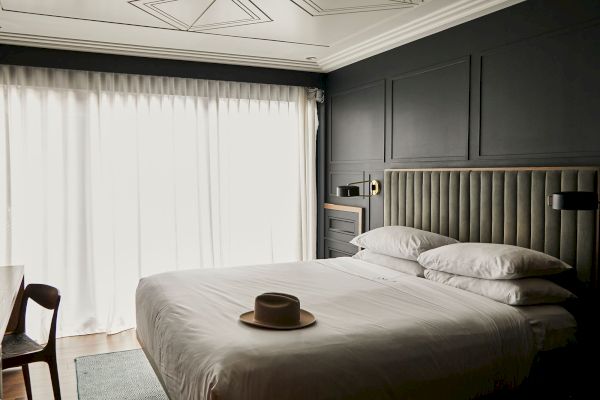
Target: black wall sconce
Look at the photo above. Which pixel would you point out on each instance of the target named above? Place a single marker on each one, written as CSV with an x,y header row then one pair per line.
x,y
573,201
350,190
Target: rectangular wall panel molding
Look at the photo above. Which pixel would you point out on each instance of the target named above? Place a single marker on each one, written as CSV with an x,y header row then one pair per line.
x,y
357,124
538,97
430,113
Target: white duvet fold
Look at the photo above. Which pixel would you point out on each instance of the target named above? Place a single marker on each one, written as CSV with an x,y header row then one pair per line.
x,y
380,334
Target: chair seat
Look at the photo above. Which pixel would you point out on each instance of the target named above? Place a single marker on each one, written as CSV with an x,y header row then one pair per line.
x,y
17,345
19,350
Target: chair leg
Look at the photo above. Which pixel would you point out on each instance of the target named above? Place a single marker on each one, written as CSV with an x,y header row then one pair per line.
x,y
54,377
27,380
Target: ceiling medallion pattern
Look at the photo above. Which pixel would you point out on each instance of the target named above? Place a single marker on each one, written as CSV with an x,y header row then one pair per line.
x,y
203,15
318,8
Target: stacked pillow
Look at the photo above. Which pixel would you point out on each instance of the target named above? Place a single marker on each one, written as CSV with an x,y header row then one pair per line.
x,y
398,247
509,274
397,264
504,273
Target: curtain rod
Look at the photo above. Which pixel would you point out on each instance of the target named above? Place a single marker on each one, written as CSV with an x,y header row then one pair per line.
x,y
318,94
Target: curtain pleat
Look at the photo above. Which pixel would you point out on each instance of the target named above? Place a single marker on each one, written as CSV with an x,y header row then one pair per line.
x,y
107,178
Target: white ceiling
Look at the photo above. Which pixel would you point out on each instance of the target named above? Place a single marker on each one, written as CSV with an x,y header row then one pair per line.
x,y
310,35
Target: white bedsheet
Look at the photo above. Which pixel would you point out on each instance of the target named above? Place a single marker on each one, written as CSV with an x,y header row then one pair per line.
x,y
552,325
380,334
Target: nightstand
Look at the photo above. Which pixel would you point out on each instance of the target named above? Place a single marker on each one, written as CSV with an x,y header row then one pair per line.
x,y
342,224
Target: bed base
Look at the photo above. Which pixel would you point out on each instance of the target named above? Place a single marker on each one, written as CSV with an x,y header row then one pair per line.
x,y
547,368
154,367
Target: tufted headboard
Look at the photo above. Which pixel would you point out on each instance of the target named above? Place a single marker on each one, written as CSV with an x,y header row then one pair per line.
x,y
499,206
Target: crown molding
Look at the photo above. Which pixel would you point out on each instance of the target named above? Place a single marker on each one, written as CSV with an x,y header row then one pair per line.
x,y
429,24
155,52
445,18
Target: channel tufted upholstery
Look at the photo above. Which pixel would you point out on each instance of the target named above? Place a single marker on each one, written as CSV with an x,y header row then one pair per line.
x,y
498,206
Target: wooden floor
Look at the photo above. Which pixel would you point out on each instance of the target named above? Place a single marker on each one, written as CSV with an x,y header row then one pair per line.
x,y
68,349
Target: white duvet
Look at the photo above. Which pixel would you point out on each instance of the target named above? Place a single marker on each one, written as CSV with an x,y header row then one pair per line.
x,y
380,334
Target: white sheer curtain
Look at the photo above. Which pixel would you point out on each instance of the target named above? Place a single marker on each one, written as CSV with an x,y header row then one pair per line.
x,y
106,178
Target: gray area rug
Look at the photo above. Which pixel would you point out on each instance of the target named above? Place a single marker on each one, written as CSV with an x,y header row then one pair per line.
x,y
116,376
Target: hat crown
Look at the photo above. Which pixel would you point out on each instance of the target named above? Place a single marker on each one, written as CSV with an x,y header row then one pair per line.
x,y
277,309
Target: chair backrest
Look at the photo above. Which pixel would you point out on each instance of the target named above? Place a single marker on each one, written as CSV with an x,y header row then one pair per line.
x,y
47,297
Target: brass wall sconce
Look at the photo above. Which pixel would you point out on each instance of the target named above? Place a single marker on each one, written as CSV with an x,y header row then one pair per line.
x,y
350,190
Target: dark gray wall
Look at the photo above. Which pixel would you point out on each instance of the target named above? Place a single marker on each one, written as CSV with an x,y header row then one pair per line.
x,y
519,87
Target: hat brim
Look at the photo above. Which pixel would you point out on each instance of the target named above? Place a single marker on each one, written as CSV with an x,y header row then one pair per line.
x,y
306,319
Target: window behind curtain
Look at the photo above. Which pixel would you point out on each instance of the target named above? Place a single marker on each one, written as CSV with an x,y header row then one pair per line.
x,y
110,177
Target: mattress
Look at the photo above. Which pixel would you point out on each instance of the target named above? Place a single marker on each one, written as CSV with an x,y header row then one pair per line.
x,y
379,334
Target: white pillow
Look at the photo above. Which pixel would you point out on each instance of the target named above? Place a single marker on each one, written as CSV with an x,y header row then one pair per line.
x,y
491,261
400,241
516,292
397,264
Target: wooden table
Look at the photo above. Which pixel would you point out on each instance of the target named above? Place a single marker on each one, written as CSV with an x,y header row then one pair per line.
x,y
11,282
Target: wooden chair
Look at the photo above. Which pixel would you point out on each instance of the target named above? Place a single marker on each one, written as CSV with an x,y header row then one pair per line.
x,y
19,350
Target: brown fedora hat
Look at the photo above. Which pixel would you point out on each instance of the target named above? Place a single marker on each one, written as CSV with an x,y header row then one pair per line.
x,y
278,311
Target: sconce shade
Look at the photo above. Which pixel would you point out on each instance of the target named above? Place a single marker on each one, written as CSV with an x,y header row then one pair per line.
x,y
347,191
575,201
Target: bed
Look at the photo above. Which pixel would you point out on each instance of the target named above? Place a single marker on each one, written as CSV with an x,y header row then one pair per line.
x,y
379,333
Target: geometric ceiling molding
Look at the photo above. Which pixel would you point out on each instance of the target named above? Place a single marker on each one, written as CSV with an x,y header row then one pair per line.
x,y
203,15
318,8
